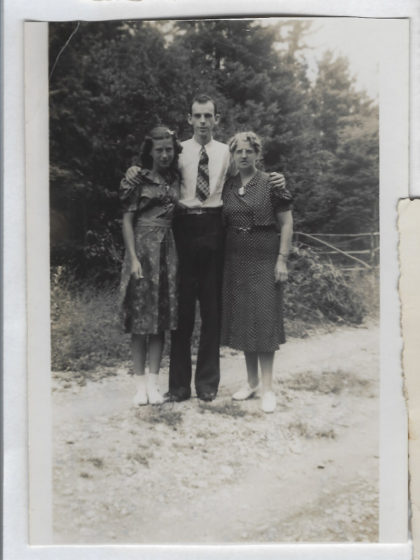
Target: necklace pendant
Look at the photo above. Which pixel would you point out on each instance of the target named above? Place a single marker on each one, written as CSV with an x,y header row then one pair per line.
x,y
241,191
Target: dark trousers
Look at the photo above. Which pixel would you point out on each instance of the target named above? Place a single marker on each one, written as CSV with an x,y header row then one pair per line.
x,y
199,241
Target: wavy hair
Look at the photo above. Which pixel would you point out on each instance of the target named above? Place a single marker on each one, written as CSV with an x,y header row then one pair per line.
x,y
255,143
251,137
160,132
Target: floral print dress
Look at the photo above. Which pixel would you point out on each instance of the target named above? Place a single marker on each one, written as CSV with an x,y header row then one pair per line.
x,y
149,305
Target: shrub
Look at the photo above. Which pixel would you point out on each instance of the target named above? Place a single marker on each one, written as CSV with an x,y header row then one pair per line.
x,y
85,331
318,291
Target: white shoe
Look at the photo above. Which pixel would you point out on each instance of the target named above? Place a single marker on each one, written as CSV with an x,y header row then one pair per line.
x,y
140,398
153,392
268,402
245,393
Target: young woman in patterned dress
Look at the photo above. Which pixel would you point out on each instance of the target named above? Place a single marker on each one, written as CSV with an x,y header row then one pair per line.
x,y
255,266
148,281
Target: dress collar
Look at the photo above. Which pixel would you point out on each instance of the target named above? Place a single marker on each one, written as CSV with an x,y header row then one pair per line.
x,y
237,178
150,177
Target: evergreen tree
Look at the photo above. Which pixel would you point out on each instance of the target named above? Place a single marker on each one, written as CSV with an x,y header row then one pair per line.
x,y
112,81
346,192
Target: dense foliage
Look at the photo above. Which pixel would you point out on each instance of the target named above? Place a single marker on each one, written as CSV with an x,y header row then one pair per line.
x,y
114,80
86,332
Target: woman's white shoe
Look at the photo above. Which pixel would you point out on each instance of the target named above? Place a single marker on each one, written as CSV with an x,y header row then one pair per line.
x,y
245,393
268,402
153,392
140,398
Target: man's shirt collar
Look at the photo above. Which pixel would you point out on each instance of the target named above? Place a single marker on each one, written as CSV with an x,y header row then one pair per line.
x,y
199,146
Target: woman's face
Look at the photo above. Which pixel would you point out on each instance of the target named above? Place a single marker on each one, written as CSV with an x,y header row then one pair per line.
x,y
244,155
162,154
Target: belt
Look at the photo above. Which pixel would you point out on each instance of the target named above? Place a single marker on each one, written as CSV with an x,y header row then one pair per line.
x,y
154,222
251,229
197,211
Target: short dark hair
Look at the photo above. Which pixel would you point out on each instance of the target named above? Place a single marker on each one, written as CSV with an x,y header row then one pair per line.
x,y
160,132
203,98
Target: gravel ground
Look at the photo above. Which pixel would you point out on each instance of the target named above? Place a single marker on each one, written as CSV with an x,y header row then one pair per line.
x,y
224,472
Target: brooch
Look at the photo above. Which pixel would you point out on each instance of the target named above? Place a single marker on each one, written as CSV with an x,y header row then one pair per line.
x,y
241,191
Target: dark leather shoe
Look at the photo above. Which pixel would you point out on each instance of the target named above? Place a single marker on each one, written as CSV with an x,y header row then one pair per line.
x,y
173,397
207,397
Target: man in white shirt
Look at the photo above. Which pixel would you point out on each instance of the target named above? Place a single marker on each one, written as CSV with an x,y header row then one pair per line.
x,y
198,231
199,236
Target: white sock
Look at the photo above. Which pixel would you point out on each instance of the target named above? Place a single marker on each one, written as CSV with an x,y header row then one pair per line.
x,y
140,398
153,392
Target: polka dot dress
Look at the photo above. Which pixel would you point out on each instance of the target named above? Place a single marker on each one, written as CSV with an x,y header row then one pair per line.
x,y
252,311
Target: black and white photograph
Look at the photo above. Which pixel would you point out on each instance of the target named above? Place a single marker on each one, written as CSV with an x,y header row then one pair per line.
x,y
214,260
206,332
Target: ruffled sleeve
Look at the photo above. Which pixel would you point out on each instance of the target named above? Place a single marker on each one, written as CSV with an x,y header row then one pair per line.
x,y
281,199
129,192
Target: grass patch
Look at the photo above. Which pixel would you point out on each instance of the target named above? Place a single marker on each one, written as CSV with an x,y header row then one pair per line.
x,y
328,382
229,409
202,434
303,430
69,378
85,331
96,462
85,475
140,459
159,415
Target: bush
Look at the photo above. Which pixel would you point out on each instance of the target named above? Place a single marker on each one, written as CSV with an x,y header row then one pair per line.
x,y
319,292
85,331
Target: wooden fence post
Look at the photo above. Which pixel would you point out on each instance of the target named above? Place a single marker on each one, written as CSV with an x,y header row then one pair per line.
x,y
372,250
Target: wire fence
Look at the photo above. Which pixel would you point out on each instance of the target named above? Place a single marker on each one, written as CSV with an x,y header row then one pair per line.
x,y
349,251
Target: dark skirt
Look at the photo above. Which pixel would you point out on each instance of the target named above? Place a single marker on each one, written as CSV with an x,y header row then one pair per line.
x,y
252,311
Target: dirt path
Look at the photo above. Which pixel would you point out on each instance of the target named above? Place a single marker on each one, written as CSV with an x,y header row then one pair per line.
x,y
225,472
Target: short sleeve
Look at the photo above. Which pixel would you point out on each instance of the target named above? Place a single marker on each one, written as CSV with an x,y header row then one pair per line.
x,y
129,193
281,199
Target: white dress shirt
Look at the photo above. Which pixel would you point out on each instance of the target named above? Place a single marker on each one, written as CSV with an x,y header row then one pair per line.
x,y
188,164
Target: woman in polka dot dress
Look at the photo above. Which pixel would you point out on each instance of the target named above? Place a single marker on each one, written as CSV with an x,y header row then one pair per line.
x,y
255,266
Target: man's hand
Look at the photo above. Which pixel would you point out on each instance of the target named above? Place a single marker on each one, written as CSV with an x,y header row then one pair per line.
x,y
276,180
131,172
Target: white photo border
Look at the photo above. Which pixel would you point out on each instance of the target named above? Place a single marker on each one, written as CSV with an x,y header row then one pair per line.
x,y
22,261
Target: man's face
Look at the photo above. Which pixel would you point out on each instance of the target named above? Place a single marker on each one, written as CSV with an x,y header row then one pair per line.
x,y
203,120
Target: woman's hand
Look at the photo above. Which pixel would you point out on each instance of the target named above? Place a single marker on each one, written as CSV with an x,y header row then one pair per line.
x,y
277,180
136,271
280,271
